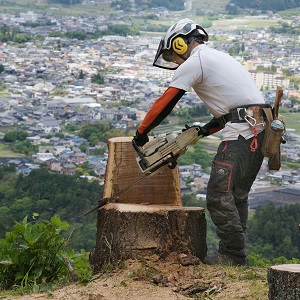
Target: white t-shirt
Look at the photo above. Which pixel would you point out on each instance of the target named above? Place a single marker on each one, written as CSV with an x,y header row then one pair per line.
x,y
221,83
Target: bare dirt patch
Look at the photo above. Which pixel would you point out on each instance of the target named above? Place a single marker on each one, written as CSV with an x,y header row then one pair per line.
x,y
155,279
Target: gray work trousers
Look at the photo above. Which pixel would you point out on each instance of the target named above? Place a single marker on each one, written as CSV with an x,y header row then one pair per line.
x,y
234,170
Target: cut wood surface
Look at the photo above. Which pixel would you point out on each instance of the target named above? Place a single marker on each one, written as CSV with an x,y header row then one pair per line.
x,y
134,231
284,282
122,170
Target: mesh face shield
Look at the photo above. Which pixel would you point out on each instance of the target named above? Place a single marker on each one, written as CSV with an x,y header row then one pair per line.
x,y
163,58
185,28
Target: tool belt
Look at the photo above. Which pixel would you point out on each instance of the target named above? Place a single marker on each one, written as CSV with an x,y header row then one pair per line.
x,y
259,114
240,114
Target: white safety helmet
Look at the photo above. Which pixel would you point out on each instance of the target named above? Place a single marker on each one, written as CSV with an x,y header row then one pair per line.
x,y
177,39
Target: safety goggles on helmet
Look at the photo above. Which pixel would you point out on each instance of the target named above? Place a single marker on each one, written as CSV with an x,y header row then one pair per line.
x,y
163,58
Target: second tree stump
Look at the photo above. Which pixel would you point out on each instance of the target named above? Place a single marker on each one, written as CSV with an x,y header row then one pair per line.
x,y
284,282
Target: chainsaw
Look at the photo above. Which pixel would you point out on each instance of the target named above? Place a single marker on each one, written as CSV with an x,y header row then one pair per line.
x,y
164,150
159,152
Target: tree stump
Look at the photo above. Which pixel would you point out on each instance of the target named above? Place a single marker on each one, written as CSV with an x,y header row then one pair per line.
x,y
284,282
134,231
148,218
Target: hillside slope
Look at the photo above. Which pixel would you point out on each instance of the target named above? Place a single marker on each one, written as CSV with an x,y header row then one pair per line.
x,y
153,279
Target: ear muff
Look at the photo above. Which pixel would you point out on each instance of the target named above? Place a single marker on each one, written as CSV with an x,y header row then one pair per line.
x,y
179,45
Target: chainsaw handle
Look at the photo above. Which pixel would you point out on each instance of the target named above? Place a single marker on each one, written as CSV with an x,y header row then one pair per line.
x,y
137,149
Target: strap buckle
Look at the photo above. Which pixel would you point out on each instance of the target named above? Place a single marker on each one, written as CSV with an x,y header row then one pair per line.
x,y
244,116
241,113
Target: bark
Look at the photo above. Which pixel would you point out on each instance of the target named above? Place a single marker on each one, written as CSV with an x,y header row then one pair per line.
x,y
284,282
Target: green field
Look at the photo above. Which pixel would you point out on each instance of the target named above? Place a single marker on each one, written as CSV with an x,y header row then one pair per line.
x,y
214,5
4,94
13,6
244,23
5,152
292,121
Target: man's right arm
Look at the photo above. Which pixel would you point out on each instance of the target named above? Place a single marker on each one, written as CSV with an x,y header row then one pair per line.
x,y
160,109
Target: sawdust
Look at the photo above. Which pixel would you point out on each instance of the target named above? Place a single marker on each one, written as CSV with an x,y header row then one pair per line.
x,y
154,279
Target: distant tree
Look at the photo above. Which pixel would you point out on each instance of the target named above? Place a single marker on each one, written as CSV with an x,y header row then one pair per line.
x,y
99,79
124,5
55,34
100,131
81,75
193,112
5,33
12,136
79,35
59,92
21,38
95,132
122,30
196,155
152,17
25,147
274,232
232,9
71,127
64,195
1,68
83,147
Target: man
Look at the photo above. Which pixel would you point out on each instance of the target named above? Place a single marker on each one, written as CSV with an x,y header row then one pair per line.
x,y
230,94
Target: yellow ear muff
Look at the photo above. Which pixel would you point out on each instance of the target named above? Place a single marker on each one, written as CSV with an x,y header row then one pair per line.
x,y
179,45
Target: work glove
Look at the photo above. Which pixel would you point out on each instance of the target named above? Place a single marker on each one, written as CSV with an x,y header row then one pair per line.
x,y
140,139
201,130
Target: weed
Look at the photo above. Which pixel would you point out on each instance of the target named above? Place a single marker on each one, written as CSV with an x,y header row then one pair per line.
x,y
32,256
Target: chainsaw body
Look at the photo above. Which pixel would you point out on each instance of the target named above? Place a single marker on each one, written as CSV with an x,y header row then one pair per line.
x,y
161,151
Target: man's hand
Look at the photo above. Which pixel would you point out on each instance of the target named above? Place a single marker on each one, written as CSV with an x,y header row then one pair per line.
x,y
140,139
201,130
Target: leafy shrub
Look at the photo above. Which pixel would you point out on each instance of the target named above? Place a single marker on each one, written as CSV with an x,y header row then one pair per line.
x,y
34,253
256,260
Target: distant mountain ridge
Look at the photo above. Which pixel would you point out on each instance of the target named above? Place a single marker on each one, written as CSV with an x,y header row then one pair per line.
x,y
274,5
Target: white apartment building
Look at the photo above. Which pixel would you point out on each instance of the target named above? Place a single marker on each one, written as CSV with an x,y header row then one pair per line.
x,y
268,79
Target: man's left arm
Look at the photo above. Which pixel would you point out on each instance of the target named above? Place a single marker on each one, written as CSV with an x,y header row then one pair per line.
x,y
211,127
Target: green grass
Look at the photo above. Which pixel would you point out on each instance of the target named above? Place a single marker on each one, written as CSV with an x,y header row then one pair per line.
x,y
4,94
292,121
215,5
5,152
